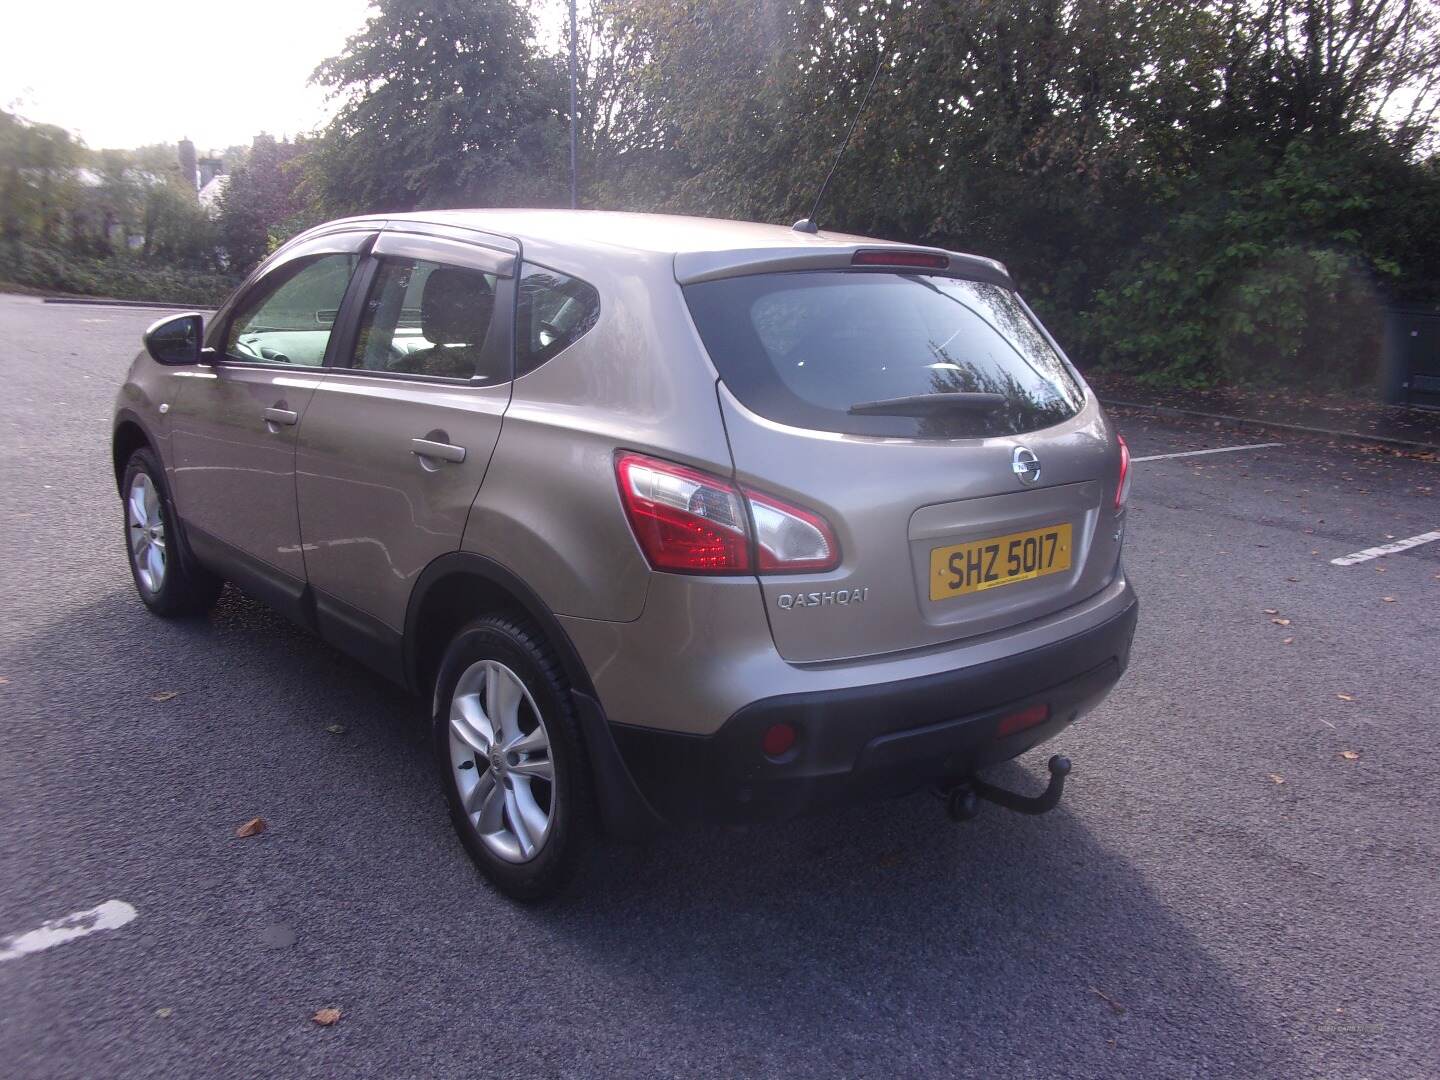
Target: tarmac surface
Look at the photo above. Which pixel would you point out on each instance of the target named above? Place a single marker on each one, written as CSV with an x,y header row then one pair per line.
x,y
1241,880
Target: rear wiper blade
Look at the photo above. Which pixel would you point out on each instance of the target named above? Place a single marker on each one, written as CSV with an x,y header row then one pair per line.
x,y
929,404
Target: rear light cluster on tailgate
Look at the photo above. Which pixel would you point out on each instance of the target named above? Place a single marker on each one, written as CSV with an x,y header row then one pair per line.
x,y
692,522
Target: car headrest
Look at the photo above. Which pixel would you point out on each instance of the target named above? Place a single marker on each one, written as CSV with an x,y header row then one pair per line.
x,y
456,307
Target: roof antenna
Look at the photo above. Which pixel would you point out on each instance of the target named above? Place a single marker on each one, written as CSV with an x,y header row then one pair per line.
x,y
807,224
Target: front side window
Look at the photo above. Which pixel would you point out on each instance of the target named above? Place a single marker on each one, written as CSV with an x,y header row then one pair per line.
x,y
553,311
288,317
426,318
860,352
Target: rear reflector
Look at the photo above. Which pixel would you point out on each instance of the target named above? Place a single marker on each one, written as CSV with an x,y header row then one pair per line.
x,y
1025,718
691,522
884,257
778,739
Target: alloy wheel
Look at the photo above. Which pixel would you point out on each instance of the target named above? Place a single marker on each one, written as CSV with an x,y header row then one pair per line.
x,y
147,532
500,754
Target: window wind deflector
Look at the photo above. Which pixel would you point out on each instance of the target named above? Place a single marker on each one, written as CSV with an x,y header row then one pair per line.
x,y
929,404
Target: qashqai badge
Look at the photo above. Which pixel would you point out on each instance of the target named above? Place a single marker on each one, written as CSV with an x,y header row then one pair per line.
x,y
1025,465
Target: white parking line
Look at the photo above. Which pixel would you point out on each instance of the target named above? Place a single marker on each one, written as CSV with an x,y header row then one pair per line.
x,y
111,915
1386,549
1217,450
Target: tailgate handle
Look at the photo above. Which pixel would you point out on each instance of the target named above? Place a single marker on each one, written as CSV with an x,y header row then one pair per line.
x,y
425,448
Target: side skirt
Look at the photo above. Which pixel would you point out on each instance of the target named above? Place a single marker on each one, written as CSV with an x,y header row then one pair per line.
x,y
349,629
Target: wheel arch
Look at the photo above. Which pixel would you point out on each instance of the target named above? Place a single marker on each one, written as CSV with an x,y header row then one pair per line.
x,y
457,587
129,435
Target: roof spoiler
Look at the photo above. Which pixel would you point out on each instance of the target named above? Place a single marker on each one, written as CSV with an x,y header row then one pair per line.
x,y
696,266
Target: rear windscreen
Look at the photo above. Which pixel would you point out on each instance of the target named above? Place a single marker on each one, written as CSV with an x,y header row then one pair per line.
x,y
802,348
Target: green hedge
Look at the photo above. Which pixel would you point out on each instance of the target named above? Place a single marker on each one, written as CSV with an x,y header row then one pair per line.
x,y
121,277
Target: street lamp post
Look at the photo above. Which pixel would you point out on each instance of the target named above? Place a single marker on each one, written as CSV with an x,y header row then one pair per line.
x,y
574,167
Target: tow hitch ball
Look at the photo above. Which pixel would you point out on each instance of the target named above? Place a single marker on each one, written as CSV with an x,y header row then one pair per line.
x,y
962,799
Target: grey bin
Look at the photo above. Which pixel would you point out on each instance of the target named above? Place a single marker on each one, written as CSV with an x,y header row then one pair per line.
x,y
1411,374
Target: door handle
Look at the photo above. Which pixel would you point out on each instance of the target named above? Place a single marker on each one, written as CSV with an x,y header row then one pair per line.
x,y
425,448
281,416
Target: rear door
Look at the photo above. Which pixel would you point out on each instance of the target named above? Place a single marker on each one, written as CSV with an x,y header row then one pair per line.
x,y
964,467
400,430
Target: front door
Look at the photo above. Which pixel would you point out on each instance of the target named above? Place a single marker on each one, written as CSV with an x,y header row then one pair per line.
x,y
399,432
235,420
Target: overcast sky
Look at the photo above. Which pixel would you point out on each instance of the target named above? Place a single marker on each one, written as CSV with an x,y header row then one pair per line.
x,y
124,73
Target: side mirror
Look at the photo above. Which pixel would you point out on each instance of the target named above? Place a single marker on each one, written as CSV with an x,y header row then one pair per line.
x,y
176,339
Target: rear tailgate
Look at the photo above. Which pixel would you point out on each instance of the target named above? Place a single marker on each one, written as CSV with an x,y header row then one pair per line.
x,y
968,475
893,503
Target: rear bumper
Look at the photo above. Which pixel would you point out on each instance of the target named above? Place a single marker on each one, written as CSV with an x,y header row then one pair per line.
x,y
874,740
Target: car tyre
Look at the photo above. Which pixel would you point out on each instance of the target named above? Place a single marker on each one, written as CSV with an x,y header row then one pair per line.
x,y
511,758
169,584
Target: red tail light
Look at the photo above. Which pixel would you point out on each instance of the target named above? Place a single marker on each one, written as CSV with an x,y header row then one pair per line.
x,y
1122,489
691,522
888,257
685,520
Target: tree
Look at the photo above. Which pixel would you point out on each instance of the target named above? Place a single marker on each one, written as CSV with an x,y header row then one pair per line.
x,y
443,102
627,159
1215,188
37,179
1316,68
262,204
1029,129
175,229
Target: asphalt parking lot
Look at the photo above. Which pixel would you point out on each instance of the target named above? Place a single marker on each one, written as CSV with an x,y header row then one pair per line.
x,y
1243,879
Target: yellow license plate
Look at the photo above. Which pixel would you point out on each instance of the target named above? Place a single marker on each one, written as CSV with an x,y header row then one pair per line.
x,y
1001,560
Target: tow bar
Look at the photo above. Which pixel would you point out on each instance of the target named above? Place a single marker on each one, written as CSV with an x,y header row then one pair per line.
x,y
962,799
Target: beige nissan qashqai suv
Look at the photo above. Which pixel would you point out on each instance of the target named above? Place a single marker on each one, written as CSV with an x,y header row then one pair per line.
x,y
671,519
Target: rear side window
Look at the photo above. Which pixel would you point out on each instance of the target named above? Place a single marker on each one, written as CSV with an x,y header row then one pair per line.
x,y
553,311
425,318
804,348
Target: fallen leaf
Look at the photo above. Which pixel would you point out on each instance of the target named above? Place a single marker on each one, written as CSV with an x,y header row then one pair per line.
x,y
1271,611
164,1012
254,827
1287,641
1277,778
1345,697
164,695
4,681
1349,755
1388,599
1108,1000
1292,579
326,1017
890,860
336,729
1281,622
